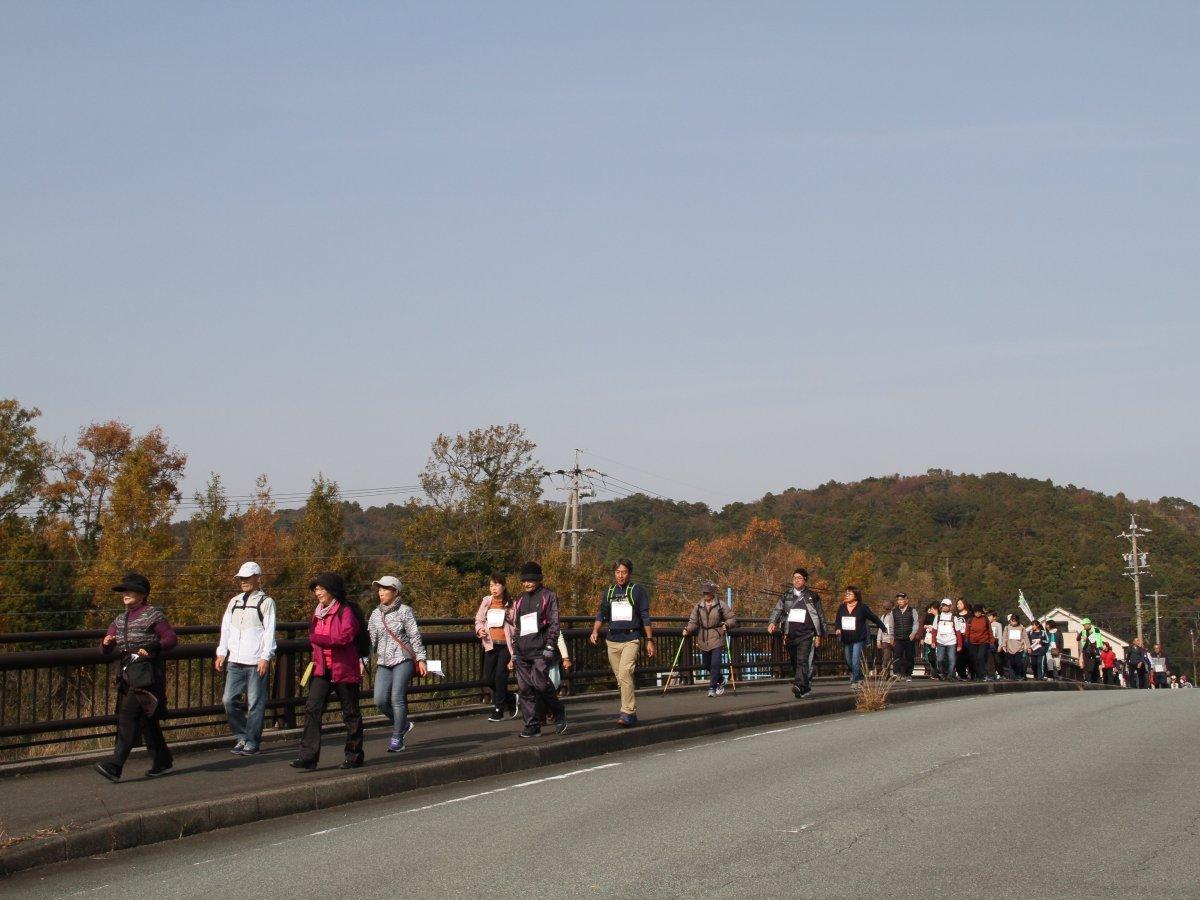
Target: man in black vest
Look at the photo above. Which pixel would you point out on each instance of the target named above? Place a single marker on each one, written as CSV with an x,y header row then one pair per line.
x,y
904,626
799,613
533,634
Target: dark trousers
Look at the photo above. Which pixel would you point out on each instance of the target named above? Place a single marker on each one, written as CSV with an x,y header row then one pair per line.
x,y
1110,676
979,658
134,726
906,652
1037,662
535,688
1016,666
319,689
711,660
495,675
962,663
1091,669
993,662
1137,679
800,649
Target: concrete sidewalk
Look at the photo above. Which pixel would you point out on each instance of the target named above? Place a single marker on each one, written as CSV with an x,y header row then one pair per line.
x,y
214,789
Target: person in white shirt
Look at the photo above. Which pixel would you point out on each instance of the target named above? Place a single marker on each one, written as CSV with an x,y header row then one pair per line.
x,y
245,652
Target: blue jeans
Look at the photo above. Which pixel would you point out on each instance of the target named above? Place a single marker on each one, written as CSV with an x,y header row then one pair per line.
x,y
854,653
246,724
947,656
391,694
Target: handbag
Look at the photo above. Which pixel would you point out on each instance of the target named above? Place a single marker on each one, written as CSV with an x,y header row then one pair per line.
x,y
139,671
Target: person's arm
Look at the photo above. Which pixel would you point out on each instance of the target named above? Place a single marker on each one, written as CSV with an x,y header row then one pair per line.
x,y
693,622
481,617
108,644
837,619
266,650
373,629
553,628
344,627
642,598
730,619
602,616
223,645
413,632
509,628
166,637
776,613
867,614
563,651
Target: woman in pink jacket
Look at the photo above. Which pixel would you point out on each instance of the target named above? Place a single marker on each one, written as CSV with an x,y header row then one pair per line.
x,y
335,668
493,614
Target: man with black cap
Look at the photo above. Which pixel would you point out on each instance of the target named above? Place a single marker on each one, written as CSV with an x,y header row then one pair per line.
x,y
902,622
800,611
532,633
137,638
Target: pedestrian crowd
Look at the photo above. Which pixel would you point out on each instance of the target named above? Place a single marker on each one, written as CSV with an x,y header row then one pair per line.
x,y
522,636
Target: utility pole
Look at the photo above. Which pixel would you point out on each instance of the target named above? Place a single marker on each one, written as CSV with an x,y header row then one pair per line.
x,y
1157,626
1135,565
576,490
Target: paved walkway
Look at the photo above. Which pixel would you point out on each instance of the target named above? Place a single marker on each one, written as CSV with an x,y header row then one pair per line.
x,y
78,795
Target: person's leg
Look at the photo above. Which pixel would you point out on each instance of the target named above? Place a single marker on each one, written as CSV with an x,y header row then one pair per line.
x,y
235,683
614,663
526,693
256,706
382,692
910,657
314,709
502,659
981,655
848,657
401,676
885,662
490,658
540,675
129,733
712,662
629,655
803,647
352,718
156,744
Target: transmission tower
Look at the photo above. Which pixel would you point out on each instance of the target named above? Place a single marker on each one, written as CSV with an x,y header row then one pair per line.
x,y
1136,562
577,489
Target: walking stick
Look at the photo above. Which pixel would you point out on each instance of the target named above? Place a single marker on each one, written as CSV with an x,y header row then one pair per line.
x,y
732,674
674,664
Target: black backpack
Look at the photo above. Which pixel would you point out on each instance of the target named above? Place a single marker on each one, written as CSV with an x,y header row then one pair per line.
x,y
362,640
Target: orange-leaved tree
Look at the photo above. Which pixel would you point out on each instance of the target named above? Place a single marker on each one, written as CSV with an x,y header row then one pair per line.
x,y
757,563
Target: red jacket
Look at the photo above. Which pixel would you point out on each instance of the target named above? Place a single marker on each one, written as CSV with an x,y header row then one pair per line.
x,y
333,647
979,630
1108,658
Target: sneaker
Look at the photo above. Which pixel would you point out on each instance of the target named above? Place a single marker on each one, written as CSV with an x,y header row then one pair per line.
x,y
247,751
530,732
238,748
395,745
804,693
561,725
512,713
159,770
627,721
409,727
712,692
303,764
720,689
351,764
909,678
496,716
109,771
796,692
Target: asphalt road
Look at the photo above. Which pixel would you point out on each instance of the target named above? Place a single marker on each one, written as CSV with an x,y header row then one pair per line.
x,y
1057,794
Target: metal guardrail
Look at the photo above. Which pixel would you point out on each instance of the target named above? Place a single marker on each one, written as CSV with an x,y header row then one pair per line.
x,y
65,695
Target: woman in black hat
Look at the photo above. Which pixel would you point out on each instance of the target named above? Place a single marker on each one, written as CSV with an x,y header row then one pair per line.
x,y
137,638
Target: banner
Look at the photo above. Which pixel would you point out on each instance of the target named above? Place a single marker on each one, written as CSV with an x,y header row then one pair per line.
x,y
1024,605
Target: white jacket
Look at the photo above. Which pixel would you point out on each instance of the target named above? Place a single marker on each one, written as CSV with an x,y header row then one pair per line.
x,y
247,636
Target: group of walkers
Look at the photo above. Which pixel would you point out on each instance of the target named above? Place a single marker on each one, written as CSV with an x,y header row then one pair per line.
x,y
523,636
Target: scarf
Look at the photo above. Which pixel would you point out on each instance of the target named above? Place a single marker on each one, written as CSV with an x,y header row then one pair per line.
x,y
322,611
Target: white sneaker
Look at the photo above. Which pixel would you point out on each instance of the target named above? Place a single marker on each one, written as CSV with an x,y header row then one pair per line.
x,y
712,692
720,689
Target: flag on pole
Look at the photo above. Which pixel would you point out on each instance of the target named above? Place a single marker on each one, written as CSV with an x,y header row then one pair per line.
x,y
1024,604
729,597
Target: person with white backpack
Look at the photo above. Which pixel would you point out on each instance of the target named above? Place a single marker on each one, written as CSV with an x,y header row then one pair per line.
x,y
710,621
245,652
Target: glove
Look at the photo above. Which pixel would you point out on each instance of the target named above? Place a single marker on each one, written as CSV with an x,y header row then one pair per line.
x,y
547,654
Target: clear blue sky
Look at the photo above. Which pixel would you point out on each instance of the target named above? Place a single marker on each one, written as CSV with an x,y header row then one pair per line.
x,y
745,246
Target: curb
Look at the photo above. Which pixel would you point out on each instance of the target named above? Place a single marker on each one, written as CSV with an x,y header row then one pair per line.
x,y
153,826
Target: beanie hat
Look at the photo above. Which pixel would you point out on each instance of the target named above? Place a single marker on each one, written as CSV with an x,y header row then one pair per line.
x,y
531,571
332,582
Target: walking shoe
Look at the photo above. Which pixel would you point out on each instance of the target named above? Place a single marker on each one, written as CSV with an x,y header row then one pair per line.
x,y
720,689
627,720
496,716
109,771
351,764
712,692
303,764
238,747
529,732
804,693
247,751
797,692
512,713
409,727
909,678
395,745
561,725
160,770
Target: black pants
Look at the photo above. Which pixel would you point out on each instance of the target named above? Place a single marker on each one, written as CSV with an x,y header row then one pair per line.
x,y
319,689
800,649
536,692
979,657
1110,676
1091,669
134,726
711,660
1016,666
906,651
495,675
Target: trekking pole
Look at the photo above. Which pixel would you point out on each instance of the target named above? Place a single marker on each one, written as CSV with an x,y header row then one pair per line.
x,y
674,664
732,675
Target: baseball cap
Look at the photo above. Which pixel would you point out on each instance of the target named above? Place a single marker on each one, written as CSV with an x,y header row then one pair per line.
x,y
388,581
708,588
248,570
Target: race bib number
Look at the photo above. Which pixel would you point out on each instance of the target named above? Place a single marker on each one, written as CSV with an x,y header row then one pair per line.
x,y
529,624
622,611
849,623
797,614
1159,667
495,618
1014,634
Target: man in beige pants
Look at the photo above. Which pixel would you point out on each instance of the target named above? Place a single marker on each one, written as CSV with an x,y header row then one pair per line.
x,y
625,609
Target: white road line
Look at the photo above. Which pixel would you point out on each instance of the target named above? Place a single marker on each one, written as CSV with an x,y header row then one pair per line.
x,y
701,746
453,800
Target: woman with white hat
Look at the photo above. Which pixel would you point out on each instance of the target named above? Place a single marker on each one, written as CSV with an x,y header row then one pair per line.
x,y
396,641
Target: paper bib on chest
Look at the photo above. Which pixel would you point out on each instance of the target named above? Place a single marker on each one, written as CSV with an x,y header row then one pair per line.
x,y
797,614
849,623
495,618
529,624
622,611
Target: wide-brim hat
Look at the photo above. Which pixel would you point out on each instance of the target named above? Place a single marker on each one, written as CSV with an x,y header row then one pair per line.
x,y
138,584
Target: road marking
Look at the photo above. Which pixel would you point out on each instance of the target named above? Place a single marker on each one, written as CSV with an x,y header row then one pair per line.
x,y
701,746
453,800
804,827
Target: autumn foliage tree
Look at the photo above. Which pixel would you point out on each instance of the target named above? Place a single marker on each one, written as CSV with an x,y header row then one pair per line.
x,y
207,575
756,562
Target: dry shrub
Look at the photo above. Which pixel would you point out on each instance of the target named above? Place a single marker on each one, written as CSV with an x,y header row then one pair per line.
x,y
873,691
